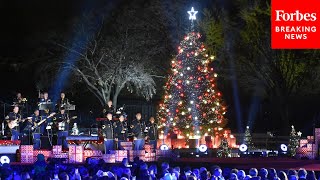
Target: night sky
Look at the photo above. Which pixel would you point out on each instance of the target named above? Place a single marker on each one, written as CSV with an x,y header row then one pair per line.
x,y
26,26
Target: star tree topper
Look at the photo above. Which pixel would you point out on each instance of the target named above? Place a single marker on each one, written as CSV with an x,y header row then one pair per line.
x,y
192,14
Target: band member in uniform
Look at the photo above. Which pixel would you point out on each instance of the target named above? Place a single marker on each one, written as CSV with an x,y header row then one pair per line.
x,y
36,118
20,102
152,132
109,109
62,120
45,99
121,131
13,122
107,127
138,129
63,101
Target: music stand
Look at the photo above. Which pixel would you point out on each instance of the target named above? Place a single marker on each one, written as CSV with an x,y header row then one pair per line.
x,y
45,106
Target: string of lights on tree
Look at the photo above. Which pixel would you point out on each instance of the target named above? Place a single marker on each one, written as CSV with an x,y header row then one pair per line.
x,y
192,104
293,141
224,150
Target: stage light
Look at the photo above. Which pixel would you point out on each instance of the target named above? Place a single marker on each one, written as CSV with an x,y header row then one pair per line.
x,y
283,147
164,147
203,148
243,147
4,159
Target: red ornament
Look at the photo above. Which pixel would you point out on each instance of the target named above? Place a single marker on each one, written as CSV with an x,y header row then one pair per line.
x,y
169,113
190,117
196,86
199,78
204,114
200,127
212,85
191,77
197,105
211,69
199,68
200,97
188,55
181,94
219,94
177,110
179,81
179,62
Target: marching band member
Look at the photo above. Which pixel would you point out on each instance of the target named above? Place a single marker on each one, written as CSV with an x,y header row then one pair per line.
x,y
121,131
152,132
13,123
138,129
62,120
107,127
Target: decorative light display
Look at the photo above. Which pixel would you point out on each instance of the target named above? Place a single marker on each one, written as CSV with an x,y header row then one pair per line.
x,y
192,15
192,101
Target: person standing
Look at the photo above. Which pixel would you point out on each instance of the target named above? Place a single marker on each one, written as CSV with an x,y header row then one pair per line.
x,y
13,123
138,129
62,120
63,101
20,102
36,118
107,128
152,132
121,131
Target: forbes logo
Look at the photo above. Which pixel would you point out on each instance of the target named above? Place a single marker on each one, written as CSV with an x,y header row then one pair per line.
x,y
281,15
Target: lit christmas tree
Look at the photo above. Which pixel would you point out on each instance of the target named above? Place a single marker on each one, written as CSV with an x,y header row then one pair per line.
x,y
293,141
248,139
224,150
192,105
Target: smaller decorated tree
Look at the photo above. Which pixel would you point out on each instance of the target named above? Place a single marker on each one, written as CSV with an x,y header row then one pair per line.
x,y
224,149
293,141
248,139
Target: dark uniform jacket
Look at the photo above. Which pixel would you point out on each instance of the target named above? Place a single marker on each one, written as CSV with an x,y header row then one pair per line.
x,y
152,131
108,131
138,128
37,119
121,130
62,118
62,103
